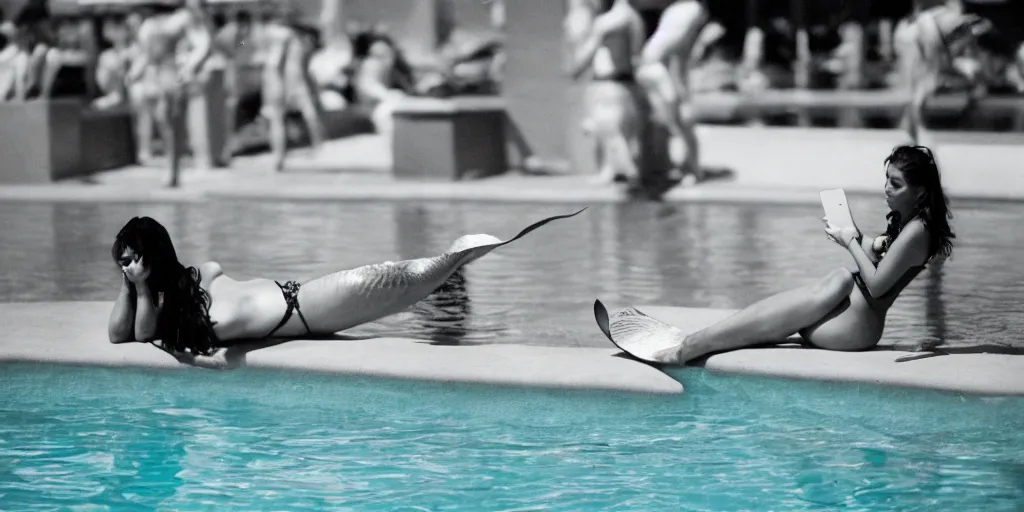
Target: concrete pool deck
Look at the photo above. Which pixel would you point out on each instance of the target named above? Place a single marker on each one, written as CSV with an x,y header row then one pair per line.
x,y
770,165
75,333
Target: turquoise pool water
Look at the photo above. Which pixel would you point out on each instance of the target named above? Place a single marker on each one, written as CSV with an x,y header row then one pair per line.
x,y
103,439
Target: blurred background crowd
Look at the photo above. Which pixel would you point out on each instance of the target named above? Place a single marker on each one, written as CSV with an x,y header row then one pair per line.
x,y
361,66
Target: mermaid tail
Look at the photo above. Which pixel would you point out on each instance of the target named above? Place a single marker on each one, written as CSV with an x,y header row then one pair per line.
x,y
345,299
637,334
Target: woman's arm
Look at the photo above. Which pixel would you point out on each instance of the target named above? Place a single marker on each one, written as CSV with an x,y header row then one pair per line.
x,y
583,55
121,327
907,250
147,312
367,80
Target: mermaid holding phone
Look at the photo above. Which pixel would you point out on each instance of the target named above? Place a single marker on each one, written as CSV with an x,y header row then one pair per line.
x,y
843,311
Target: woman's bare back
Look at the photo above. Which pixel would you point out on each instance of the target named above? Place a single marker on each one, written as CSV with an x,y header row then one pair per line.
x,y
241,309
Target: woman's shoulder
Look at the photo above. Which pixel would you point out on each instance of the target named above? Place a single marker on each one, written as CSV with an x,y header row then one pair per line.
x,y
209,271
916,228
210,268
918,235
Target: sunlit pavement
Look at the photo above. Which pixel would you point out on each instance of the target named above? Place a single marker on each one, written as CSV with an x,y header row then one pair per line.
x,y
770,165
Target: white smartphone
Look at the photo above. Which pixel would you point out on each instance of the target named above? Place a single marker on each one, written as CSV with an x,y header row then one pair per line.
x,y
837,209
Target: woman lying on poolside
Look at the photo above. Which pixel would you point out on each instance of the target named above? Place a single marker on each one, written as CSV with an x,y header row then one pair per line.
x,y
191,313
843,311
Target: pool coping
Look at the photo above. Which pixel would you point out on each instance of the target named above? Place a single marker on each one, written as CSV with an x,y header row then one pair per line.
x,y
74,332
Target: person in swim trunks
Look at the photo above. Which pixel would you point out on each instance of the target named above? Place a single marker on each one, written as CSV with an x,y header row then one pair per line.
x,y
232,46
113,63
174,42
607,45
675,39
194,313
286,82
845,310
937,39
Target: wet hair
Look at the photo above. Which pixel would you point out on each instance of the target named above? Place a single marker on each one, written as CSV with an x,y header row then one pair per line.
x,y
184,323
917,163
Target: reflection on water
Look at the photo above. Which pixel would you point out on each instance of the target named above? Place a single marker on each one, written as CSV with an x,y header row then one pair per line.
x,y
539,290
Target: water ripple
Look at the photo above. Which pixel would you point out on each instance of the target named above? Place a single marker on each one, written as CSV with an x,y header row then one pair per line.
x,y
239,442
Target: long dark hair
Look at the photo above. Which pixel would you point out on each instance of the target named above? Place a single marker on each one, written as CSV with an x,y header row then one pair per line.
x,y
184,322
917,163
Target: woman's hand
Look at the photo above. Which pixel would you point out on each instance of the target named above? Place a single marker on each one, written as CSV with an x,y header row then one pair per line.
x,y
843,236
137,272
126,284
220,359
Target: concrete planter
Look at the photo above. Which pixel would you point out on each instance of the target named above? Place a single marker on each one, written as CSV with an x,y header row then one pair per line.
x,y
108,140
449,139
40,141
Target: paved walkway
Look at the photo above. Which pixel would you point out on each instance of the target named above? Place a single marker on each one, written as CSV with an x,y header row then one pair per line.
x,y
767,164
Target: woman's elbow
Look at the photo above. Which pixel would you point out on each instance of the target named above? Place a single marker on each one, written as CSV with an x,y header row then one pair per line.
x,y
876,292
119,336
146,337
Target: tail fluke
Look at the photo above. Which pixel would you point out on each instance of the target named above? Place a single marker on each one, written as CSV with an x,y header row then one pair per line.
x,y
472,247
637,334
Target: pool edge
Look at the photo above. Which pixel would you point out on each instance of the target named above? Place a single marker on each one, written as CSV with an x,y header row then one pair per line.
x,y
75,333
49,332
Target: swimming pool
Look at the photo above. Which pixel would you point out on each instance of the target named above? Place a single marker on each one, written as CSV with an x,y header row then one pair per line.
x,y
696,255
104,439
71,437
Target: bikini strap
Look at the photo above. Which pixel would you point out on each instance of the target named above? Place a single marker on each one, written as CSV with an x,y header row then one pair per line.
x,y
289,306
294,286
308,330
290,291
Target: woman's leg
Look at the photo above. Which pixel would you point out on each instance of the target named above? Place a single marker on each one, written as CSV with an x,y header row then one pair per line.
x,y
167,121
675,37
349,298
311,114
143,108
772,319
230,130
275,111
278,134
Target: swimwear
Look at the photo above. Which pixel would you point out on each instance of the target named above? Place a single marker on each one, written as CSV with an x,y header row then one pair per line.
x,y
624,77
290,289
912,272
